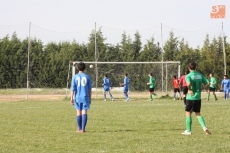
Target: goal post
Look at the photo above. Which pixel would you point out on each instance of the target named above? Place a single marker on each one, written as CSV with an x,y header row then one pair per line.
x,y
138,72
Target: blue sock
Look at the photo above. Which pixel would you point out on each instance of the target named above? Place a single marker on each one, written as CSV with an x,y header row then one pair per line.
x,y
125,95
79,122
111,96
84,121
104,96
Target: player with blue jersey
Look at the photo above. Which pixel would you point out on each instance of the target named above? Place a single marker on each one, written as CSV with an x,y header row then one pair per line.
x,y
125,86
81,90
107,84
225,85
194,81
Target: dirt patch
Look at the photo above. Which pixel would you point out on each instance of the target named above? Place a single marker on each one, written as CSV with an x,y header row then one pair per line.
x,y
4,98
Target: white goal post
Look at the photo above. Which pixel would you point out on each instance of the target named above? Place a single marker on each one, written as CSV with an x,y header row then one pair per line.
x,y
164,69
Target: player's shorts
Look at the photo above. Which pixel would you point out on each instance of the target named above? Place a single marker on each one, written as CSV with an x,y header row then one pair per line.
x,y
185,90
212,89
193,106
125,90
81,106
151,89
106,89
176,90
226,90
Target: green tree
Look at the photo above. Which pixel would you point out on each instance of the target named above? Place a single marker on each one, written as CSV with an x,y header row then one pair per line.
x,y
171,48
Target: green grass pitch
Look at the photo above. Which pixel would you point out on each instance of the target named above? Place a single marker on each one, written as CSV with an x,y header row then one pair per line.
x,y
138,126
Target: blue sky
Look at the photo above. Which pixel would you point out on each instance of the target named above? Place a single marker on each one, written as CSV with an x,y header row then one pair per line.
x,y
65,20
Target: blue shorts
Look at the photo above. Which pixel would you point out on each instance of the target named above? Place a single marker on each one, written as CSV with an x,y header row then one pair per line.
x,y
81,106
106,89
125,90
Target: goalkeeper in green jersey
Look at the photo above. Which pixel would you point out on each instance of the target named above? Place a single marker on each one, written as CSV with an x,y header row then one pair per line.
x,y
212,87
151,84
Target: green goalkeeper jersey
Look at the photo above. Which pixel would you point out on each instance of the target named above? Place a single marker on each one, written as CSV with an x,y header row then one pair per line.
x,y
213,82
152,82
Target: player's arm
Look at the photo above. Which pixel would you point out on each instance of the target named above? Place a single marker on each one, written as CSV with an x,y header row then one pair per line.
x,y
206,82
188,82
206,85
90,90
72,91
125,82
190,89
110,83
90,95
103,82
71,97
180,80
150,82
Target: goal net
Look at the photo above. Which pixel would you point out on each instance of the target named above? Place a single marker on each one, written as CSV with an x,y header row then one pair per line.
x,y
163,73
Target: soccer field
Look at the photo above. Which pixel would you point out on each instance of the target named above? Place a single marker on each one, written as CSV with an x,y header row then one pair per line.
x,y
138,126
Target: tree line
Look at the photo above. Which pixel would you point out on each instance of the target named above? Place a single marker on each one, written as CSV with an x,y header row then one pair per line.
x,y
49,63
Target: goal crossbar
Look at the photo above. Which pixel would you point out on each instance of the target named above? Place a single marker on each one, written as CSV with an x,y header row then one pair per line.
x,y
164,62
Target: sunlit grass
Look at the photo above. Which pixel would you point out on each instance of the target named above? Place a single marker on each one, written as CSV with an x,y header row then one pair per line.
x,y
138,126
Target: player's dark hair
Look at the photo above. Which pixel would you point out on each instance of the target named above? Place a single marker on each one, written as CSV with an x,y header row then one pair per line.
x,y
81,66
151,74
126,74
192,66
174,76
226,76
106,75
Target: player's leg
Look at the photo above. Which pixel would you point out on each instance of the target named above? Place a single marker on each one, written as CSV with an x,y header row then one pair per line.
x,y
78,107
84,116
197,107
228,92
125,91
110,94
208,96
126,94
188,120
214,94
154,93
79,120
179,93
84,120
174,96
104,94
150,94
225,94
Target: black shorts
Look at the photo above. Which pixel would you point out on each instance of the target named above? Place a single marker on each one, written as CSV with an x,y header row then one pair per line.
x,y
151,89
176,90
193,106
212,89
185,90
